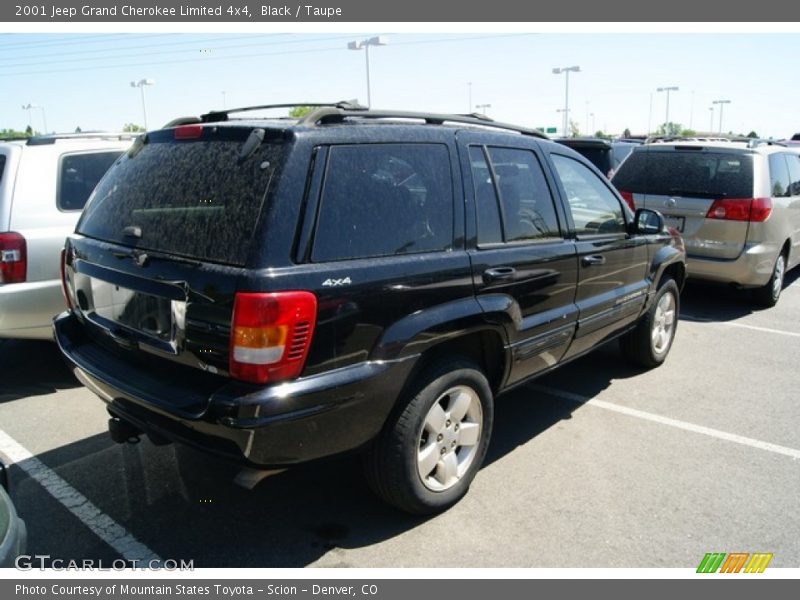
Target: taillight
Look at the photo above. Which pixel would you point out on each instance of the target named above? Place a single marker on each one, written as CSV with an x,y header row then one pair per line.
x,y
64,285
271,334
628,197
741,209
13,258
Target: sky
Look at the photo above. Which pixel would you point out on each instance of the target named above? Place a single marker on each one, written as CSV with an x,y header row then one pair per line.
x,y
84,80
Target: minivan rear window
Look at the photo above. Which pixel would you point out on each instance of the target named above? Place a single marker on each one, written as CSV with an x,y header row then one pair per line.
x,y
687,173
199,198
2,165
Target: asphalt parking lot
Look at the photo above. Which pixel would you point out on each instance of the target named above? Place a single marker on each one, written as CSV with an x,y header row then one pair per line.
x,y
594,465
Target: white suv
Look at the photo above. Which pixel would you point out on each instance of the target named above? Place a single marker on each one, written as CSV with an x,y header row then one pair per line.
x,y
44,184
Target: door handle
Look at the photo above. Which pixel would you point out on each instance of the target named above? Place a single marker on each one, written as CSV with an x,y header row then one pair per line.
x,y
498,274
594,259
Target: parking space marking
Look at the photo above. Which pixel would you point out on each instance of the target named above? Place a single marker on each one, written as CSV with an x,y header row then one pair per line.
x,y
108,530
692,319
686,426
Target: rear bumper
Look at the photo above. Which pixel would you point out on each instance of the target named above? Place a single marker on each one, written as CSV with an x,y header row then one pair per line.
x,y
752,268
278,425
27,309
15,539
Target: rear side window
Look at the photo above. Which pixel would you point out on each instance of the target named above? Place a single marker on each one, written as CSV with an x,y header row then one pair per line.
x,y
526,205
199,198
778,175
686,173
595,209
385,199
2,165
599,156
78,176
793,162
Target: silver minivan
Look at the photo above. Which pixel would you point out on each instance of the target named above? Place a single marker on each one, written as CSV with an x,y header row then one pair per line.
x,y
736,204
44,184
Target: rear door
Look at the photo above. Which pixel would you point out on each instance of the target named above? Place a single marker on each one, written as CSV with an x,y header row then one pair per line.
x,y
522,262
612,264
682,182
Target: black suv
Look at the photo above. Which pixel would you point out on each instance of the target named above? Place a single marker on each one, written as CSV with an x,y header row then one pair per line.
x,y
277,291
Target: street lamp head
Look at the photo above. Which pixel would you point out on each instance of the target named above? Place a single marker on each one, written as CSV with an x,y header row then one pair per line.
x,y
354,45
142,82
379,40
556,71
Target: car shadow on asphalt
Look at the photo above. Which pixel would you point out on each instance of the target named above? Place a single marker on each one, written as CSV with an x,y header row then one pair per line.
x,y
183,504
22,365
703,302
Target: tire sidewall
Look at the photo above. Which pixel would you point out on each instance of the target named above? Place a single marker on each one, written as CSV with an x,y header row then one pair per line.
x,y
667,287
417,410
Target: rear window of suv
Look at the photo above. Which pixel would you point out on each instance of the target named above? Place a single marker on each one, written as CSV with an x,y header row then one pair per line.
x,y
687,173
199,198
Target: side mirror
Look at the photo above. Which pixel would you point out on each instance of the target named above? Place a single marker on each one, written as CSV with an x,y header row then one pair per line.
x,y
649,221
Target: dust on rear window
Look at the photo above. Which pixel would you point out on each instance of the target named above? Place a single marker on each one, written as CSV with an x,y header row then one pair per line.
x,y
687,173
197,198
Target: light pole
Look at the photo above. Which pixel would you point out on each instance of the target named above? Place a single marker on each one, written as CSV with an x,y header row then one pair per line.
x,y
223,100
469,97
141,85
566,71
711,122
593,129
29,107
482,108
650,115
722,104
379,40
673,88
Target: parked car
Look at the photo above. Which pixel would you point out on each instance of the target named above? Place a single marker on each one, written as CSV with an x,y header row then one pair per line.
x,y
44,183
279,291
603,154
13,534
736,204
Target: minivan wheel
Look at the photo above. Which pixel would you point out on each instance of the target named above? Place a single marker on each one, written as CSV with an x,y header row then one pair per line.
x,y
648,344
432,447
768,295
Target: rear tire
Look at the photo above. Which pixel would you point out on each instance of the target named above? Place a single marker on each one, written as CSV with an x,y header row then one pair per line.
x,y
768,295
432,447
648,344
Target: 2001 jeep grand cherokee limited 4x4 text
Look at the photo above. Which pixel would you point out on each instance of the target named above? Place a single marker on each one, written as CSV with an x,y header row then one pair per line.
x,y
277,291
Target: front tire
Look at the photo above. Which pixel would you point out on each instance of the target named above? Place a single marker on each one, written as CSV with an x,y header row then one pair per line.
x,y
431,449
648,344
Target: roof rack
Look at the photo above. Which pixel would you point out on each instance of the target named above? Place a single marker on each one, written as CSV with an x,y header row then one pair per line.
x,y
327,115
215,116
50,138
755,142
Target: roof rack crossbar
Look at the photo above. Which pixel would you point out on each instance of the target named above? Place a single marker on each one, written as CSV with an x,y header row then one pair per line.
x,y
329,115
215,116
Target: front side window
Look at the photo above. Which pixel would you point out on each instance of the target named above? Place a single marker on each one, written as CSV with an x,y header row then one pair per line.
x,y
595,209
78,176
385,199
525,211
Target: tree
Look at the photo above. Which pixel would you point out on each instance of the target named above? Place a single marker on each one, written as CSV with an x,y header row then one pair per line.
x,y
670,129
29,131
299,112
602,135
132,128
626,133
574,129
12,134
688,132
78,129
752,134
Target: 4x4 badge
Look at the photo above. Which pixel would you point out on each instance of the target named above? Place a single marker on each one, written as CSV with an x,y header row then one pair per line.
x,y
336,282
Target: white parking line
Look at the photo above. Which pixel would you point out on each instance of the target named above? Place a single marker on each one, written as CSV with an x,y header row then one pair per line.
x,y
108,530
692,319
686,426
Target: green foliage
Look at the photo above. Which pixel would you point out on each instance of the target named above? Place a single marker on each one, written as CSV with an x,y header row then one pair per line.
x,y
752,134
602,135
688,132
11,134
299,112
132,128
626,133
669,129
